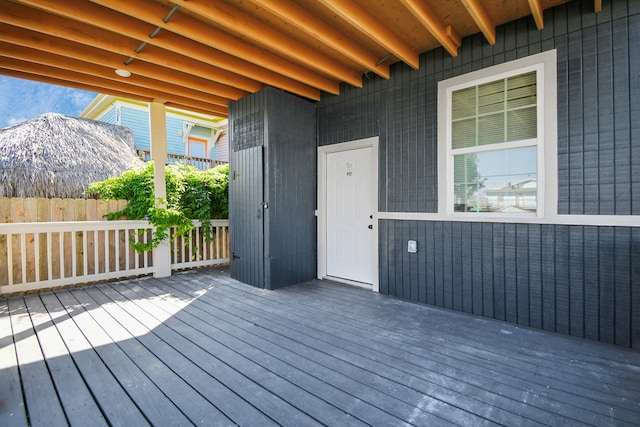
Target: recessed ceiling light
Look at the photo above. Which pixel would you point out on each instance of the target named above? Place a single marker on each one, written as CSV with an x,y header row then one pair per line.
x,y
123,73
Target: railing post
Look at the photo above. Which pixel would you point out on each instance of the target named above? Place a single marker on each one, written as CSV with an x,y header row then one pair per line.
x,y
158,125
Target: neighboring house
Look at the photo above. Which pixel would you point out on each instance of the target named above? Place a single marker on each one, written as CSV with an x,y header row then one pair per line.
x,y
190,134
554,112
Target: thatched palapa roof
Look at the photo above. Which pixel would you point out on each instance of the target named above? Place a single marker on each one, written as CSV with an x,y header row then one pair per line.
x,y
59,156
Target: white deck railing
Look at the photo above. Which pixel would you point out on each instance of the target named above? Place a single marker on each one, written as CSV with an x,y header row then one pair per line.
x,y
197,251
43,255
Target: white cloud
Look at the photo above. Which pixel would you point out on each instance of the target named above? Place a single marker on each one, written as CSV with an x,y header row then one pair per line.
x,y
23,100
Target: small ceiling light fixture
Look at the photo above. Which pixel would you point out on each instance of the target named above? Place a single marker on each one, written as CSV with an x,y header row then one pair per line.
x,y
123,73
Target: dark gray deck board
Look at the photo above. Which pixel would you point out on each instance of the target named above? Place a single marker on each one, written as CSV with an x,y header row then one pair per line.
x,y
439,385
147,396
516,348
116,405
378,372
153,356
41,398
78,403
12,411
277,353
272,405
603,402
201,348
523,358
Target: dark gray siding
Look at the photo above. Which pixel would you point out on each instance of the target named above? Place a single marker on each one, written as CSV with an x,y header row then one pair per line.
x,y
246,189
583,281
272,160
598,116
291,192
577,280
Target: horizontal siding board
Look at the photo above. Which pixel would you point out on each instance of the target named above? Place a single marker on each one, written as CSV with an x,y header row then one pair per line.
x,y
109,116
175,144
138,122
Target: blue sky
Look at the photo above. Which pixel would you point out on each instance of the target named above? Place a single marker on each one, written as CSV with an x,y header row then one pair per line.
x,y
22,100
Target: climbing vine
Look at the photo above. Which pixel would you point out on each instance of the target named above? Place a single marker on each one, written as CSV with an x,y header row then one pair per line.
x,y
191,195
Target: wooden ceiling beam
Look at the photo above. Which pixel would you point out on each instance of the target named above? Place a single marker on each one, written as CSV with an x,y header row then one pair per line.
x,y
536,11
98,82
198,40
236,20
55,45
324,33
107,73
30,19
365,23
597,6
438,29
113,26
482,19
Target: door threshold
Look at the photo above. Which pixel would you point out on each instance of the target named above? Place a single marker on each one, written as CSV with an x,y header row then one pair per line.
x,y
349,282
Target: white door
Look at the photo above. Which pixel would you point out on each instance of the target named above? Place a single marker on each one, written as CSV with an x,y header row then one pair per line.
x,y
351,214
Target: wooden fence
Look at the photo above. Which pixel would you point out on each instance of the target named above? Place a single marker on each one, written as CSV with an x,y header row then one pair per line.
x,y
47,243
16,209
42,255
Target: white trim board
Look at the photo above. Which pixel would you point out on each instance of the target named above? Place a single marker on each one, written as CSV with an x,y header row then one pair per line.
x,y
594,220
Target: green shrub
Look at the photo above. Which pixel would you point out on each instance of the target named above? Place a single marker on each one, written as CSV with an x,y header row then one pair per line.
x,y
191,195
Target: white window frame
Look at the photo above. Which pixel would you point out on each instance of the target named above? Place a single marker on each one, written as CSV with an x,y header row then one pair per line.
x,y
199,140
545,64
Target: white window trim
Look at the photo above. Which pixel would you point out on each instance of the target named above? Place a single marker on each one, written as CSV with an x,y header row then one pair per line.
x,y
207,145
546,65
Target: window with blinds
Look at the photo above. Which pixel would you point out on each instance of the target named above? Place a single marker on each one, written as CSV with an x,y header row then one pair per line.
x,y
494,127
497,141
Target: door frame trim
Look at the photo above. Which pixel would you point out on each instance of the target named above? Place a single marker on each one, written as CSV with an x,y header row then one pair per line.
x,y
322,203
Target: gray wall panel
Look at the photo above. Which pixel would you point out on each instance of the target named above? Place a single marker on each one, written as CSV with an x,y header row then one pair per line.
x,y
246,134
542,276
274,160
599,168
582,281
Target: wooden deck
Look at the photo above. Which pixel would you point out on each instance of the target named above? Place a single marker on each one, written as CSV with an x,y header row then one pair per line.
x,y
199,348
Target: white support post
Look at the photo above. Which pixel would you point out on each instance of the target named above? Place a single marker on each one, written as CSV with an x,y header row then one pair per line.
x,y
158,128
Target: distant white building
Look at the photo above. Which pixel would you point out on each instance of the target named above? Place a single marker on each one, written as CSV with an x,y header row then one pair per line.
x,y
521,196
